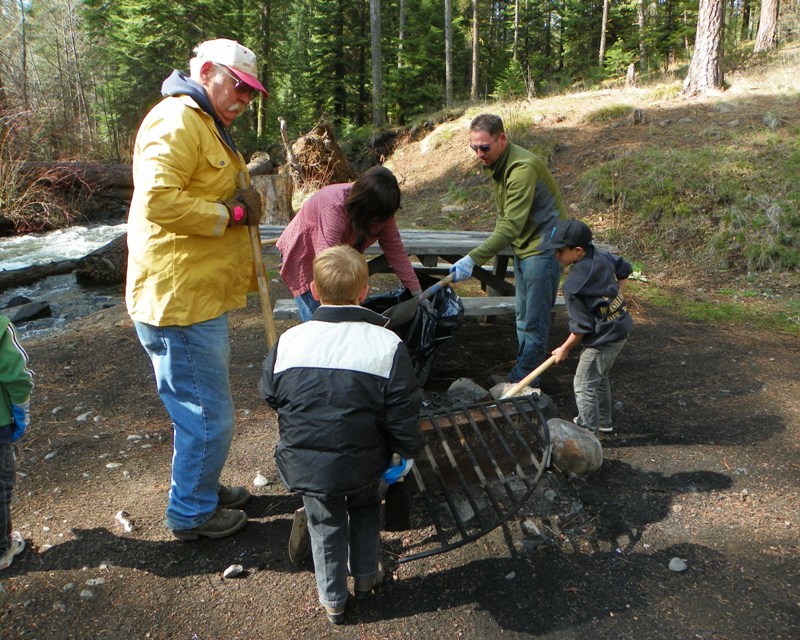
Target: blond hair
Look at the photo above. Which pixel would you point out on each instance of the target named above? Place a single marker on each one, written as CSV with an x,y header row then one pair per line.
x,y
340,275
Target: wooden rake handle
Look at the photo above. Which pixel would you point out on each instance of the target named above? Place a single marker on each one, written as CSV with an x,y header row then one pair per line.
x,y
529,378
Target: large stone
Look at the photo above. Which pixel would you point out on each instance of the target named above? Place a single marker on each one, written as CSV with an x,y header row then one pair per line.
x,y
466,391
575,449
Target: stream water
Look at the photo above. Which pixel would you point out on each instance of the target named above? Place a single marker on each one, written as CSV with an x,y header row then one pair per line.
x,y
68,299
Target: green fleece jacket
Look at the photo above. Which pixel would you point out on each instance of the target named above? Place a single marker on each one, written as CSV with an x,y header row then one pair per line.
x,y
16,380
528,205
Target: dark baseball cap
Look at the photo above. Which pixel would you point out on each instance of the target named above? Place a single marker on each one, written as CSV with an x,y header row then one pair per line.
x,y
568,233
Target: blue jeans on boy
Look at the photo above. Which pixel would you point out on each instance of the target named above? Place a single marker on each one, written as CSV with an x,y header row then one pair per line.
x,y
536,281
191,367
8,467
306,305
593,386
342,529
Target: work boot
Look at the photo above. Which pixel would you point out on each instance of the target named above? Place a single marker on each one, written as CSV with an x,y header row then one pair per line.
x,y
224,522
232,497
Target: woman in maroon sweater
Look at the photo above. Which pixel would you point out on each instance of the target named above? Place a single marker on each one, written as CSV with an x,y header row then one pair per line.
x,y
354,214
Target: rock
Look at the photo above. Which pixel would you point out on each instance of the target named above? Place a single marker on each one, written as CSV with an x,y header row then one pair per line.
x,y
233,571
125,520
466,391
260,480
678,565
28,312
575,449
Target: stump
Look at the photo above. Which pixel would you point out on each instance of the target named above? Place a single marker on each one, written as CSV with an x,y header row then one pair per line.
x,y
105,265
276,198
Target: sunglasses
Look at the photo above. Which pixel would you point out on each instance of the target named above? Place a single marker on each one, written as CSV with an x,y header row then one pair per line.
x,y
483,148
242,88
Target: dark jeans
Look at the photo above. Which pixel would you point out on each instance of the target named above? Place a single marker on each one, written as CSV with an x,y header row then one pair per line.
x,y
345,535
8,468
536,281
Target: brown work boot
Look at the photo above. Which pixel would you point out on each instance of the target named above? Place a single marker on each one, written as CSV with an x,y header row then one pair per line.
x,y
224,522
232,497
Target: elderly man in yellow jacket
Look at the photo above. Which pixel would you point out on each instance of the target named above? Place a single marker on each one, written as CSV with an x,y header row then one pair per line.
x,y
189,264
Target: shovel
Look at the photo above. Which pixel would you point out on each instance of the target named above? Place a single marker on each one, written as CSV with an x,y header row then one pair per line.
x,y
270,332
404,311
529,378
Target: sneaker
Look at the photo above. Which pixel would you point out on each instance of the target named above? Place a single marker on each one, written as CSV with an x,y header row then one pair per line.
x,y
363,589
335,614
224,522
606,428
299,538
17,544
232,497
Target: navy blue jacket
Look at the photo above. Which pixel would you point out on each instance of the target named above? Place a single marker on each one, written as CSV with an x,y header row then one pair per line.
x,y
347,398
596,309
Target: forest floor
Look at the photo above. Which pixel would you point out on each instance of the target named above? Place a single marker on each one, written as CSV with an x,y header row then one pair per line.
x,y
703,466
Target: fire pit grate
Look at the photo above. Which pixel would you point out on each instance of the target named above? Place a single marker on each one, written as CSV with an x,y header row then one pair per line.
x,y
480,464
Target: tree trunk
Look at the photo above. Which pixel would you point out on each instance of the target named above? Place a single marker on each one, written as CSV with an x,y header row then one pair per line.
x,y
377,71
705,70
473,90
603,30
448,53
767,37
276,197
642,12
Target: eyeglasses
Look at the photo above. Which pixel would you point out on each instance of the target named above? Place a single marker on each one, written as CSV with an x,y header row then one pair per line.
x,y
483,148
242,88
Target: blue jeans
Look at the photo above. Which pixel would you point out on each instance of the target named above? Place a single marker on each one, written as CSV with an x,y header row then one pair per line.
x,y
191,367
343,529
536,280
592,385
306,305
8,465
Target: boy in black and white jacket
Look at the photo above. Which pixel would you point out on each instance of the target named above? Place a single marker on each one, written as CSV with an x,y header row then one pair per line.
x,y
598,318
347,398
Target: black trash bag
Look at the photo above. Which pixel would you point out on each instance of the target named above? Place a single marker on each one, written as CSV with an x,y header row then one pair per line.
x,y
426,331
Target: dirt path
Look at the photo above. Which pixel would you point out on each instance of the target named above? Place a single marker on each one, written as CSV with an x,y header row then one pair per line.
x,y
704,468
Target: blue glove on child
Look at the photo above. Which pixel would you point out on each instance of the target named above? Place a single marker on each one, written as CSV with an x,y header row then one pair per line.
x,y
462,269
22,418
399,469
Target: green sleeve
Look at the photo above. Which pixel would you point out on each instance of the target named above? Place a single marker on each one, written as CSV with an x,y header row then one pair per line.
x,y
514,196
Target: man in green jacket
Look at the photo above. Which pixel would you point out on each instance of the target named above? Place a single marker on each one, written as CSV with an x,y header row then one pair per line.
x,y
528,206
189,264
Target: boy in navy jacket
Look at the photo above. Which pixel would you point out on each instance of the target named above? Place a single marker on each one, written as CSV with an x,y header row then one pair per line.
x,y
598,318
347,398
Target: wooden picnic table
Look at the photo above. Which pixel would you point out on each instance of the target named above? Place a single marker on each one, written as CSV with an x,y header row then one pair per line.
x,y
431,247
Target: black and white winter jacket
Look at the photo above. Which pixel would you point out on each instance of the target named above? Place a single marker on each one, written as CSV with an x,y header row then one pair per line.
x,y
347,398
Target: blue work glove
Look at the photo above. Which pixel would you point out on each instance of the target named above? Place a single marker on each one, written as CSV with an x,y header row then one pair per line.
x,y
462,269
399,469
22,418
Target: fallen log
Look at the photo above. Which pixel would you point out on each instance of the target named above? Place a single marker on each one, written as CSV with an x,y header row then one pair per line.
x,y
28,275
79,175
105,265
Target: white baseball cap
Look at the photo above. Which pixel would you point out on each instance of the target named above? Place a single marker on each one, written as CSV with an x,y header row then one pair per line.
x,y
236,57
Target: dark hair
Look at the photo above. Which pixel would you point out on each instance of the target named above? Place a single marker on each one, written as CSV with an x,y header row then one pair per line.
x,y
374,197
488,122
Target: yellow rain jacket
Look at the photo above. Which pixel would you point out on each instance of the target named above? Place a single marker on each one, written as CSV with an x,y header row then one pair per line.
x,y
185,265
